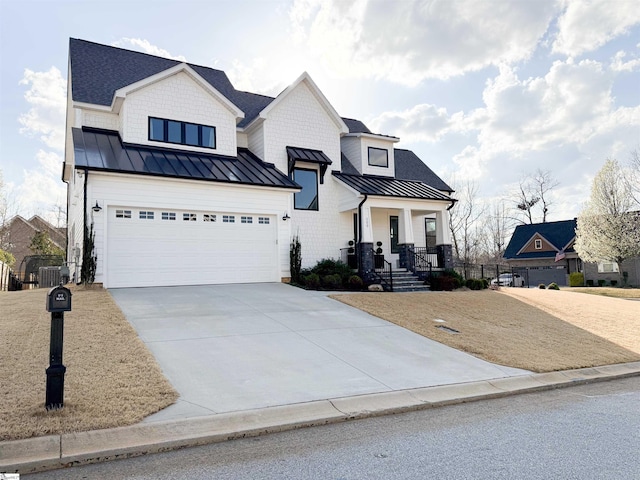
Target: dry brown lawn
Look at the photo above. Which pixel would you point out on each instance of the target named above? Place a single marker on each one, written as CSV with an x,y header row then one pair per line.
x,y
607,291
111,379
538,330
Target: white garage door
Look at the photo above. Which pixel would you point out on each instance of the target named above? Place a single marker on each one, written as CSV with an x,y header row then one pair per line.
x,y
156,247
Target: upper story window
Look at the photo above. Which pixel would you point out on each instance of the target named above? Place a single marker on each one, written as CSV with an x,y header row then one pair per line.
x,y
183,133
307,198
378,157
538,244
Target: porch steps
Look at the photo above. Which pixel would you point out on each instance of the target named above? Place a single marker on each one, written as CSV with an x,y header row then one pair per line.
x,y
406,281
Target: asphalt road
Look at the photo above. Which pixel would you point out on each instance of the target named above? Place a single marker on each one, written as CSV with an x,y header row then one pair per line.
x,y
585,432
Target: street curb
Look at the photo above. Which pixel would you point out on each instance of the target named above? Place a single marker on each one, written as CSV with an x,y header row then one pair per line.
x,y
66,450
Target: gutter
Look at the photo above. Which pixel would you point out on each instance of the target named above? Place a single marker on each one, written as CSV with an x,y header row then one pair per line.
x,y
453,202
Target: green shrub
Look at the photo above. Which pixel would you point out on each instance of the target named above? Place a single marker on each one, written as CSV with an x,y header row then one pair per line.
x,y
355,283
329,266
458,279
311,281
576,279
553,286
475,284
542,286
614,283
332,282
469,283
295,259
601,282
589,283
444,282
485,283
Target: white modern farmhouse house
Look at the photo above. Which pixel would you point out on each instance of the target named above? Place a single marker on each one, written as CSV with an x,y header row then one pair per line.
x,y
186,180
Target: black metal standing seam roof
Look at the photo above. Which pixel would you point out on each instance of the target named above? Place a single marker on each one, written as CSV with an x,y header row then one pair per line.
x,y
391,187
308,155
104,150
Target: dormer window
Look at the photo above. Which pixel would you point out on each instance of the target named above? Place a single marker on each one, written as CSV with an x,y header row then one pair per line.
x,y
378,157
182,133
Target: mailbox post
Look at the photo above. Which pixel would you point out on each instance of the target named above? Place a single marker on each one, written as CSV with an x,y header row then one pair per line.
x,y
58,302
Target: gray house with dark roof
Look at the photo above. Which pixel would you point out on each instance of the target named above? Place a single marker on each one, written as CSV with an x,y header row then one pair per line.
x,y
186,180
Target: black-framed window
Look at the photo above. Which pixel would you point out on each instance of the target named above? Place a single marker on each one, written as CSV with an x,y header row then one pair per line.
x,y
430,232
183,133
393,233
307,198
378,157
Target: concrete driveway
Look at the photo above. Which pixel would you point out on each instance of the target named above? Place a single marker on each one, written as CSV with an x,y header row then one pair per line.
x,y
238,347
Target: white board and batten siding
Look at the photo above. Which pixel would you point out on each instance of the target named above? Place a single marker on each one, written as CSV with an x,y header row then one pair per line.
x,y
252,245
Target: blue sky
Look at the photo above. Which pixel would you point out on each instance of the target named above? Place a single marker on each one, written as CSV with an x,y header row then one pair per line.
x,y
484,91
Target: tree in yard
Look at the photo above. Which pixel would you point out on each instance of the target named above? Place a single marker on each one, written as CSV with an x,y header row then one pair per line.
x,y
633,176
463,223
41,244
608,227
497,227
533,194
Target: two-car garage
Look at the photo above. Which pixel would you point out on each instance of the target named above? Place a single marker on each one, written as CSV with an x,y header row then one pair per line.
x,y
163,246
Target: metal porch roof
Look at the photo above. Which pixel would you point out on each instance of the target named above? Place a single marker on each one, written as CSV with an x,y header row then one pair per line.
x,y
391,187
104,150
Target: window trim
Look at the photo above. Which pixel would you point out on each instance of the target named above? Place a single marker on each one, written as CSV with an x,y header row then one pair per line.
x,y
317,208
537,244
165,133
386,165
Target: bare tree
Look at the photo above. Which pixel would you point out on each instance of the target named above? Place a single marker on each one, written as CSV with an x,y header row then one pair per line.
x,y
608,227
498,226
533,194
466,232
633,177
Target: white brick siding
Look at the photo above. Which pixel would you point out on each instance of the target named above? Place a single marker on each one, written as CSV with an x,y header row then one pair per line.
x,y
177,97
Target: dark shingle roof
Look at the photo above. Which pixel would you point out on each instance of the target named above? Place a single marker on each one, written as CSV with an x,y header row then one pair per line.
x,y
103,150
559,234
355,126
390,187
410,167
97,71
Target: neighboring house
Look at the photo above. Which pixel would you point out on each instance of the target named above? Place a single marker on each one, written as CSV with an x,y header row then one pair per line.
x,y
19,232
187,180
544,252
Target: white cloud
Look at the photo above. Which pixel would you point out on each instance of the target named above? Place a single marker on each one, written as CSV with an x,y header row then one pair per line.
x,y
47,99
41,188
589,24
619,65
143,45
409,41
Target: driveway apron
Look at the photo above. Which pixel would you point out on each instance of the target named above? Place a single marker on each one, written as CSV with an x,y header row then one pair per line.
x,y
238,347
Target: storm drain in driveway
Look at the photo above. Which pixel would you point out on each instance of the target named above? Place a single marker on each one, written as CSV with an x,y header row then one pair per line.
x,y
447,329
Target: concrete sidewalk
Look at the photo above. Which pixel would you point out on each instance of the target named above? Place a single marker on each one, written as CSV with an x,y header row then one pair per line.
x,y
60,451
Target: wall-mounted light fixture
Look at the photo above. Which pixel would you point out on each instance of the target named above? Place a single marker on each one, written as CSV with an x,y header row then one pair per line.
x,y
286,216
96,208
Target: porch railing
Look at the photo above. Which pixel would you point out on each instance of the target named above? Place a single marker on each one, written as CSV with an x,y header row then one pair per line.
x,y
383,271
422,259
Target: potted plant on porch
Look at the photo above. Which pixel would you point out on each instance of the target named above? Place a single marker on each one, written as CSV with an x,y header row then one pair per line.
x,y
378,258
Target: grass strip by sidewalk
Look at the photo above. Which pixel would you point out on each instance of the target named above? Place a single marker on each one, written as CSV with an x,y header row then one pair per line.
x,y
111,379
502,329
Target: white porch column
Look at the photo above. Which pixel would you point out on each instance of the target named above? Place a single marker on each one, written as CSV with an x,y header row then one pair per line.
x,y
443,234
366,224
405,227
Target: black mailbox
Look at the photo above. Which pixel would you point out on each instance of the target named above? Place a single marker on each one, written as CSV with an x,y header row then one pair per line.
x,y
59,300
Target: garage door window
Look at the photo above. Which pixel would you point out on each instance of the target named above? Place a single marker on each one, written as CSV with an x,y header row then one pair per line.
x,y
189,217
146,215
263,220
168,216
123,213
246,219
228,219
208,217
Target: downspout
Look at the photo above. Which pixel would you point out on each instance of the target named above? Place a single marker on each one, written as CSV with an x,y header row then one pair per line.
x,y
360,218
453,202
84,217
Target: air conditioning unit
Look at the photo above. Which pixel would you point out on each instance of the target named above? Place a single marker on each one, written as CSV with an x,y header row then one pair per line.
x,y
49,277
